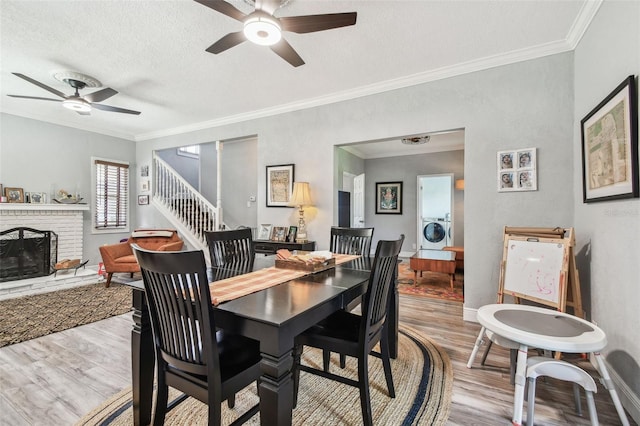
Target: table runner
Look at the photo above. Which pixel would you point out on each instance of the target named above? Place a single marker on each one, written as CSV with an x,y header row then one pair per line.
x,y
241,285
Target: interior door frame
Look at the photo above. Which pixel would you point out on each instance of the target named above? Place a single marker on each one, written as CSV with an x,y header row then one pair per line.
x,y
419,206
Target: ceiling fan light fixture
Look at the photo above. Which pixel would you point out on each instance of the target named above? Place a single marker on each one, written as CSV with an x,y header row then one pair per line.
x,y
262,29
76,104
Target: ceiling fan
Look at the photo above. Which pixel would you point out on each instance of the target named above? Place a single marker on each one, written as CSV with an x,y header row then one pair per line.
x,y
80,104
262,28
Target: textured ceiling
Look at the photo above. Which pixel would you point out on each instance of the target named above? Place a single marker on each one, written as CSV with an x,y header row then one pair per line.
x,y
153,53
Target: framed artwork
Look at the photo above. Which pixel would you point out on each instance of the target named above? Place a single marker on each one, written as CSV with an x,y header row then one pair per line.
x,y
37,197
279,233
610,146
145,185
14,195
279,185
517,170
388,197
143,200
291,236
144,171
264,233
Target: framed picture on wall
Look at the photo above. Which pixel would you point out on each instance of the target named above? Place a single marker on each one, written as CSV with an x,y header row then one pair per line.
x,y
388,197
279,185
517,170
143,200
610,146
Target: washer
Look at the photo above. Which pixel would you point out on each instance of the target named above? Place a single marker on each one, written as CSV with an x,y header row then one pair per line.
x,y
434,233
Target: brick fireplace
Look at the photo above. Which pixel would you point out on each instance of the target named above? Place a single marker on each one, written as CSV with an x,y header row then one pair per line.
x,y
66,220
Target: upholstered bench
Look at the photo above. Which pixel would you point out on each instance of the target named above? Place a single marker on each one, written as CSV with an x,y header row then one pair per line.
x,y
459,256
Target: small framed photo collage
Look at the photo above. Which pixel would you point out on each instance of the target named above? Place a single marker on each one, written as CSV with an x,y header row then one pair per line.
x,y
277,233
517,170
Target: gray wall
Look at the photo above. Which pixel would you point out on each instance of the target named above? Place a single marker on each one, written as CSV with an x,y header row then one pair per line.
x,y
608,233
406,169
35,154
528,104
187,167
239,177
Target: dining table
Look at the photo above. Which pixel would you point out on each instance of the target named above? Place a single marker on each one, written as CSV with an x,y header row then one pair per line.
x,y
274,316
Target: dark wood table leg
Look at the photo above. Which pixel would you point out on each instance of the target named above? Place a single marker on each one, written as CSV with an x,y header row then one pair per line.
x,y
276,390
142,361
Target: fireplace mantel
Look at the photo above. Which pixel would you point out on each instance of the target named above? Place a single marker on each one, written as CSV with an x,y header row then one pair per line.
x,y
43,207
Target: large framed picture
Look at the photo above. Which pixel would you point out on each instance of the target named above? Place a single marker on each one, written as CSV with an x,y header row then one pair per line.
x,y
517,170
388,197
610,146
279,185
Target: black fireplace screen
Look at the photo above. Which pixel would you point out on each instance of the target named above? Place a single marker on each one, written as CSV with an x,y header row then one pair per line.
x,y
27,253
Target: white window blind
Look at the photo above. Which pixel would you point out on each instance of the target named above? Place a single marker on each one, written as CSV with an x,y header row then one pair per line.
x,y
112,195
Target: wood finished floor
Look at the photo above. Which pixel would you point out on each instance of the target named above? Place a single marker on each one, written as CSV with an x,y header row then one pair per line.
x,y
56,379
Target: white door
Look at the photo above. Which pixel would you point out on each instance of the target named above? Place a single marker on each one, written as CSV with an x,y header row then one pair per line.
x,y
358,201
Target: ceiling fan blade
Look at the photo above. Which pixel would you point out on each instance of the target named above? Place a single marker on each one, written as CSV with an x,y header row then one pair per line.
x,y
114,109
313,23
34,97
268,6
100,95
227,42
286,52
42,85
224,8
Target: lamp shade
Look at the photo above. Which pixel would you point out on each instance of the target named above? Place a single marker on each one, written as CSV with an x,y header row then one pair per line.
x,y
460,184
301,194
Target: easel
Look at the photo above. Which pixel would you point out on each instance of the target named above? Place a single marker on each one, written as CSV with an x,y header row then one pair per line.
x,y
568,291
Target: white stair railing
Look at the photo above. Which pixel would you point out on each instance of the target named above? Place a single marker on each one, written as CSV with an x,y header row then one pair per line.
x,y
183,204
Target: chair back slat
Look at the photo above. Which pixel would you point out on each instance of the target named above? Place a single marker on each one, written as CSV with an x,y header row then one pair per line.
x,y
177,291
383,274
351,240
233,246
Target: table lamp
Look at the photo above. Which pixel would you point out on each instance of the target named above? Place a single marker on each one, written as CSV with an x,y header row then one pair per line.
x,y
301,197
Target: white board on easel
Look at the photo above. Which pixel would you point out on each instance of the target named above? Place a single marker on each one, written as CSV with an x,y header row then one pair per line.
x,y
536,270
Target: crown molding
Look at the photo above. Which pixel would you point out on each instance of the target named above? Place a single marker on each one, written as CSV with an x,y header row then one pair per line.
x,y
373,89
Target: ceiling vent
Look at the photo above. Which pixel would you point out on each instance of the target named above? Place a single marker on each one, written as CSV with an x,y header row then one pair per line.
x,y
416,140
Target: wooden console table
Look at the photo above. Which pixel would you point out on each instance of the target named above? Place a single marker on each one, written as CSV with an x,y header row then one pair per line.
x,y
271,247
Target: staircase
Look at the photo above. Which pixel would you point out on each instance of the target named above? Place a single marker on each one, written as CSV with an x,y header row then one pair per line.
x,y
183,206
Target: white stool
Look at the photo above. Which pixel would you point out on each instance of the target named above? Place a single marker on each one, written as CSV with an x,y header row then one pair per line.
x,y
541,366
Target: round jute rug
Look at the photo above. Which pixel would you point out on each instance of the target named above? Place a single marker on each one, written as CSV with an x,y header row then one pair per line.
x,y
422,374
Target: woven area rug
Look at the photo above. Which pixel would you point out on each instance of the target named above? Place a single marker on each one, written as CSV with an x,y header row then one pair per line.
x,y
422,374
28,317
431,284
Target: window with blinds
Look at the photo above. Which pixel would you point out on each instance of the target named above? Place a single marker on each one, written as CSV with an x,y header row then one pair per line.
x,y
112,195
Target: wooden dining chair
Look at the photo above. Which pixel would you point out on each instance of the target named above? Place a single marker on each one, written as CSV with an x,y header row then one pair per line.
x,y
230,247
190,355
351,240
348,241
356,335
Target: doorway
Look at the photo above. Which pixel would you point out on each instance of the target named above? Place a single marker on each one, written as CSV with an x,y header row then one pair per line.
x,y
435,211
